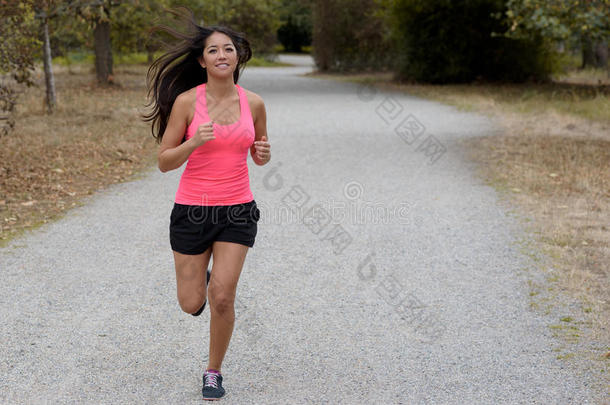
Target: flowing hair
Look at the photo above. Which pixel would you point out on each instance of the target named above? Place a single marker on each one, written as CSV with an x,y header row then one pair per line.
x,y
178,70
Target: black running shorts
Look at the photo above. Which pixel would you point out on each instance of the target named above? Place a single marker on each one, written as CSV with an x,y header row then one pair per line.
x,y
193,228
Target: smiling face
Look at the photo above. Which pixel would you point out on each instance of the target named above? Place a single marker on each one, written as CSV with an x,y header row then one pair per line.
x,y
219,55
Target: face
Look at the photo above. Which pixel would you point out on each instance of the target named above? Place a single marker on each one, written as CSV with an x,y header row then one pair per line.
x,y
219,55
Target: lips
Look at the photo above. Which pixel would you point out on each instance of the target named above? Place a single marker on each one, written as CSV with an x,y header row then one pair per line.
x,y
222,66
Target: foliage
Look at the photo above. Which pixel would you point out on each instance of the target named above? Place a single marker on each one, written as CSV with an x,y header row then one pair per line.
x,y
18,45
258,19
18,33
441,41
350,35
558,19
295,31
130,25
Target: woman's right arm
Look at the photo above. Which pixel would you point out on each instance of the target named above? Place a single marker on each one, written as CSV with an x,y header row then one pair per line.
x,y
173,153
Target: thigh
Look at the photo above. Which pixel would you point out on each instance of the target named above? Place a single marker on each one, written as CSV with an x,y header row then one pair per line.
x,y
229,259
191,273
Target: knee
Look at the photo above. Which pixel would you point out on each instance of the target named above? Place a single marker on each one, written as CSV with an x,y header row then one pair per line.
x,y
191,305
221,301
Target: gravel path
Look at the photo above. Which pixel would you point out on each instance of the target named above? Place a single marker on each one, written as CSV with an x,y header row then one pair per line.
x,y
407,288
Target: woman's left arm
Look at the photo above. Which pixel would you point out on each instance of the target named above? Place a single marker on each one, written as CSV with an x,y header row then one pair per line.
x,y
260,150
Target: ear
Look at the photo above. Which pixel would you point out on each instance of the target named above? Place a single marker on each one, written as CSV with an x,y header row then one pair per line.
x,y
200,60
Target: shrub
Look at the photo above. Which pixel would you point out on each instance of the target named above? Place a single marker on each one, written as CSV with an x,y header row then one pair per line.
x,y
349,35
441,41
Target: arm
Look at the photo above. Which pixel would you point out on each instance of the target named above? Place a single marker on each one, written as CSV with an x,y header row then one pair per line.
x,y
172,154
260,150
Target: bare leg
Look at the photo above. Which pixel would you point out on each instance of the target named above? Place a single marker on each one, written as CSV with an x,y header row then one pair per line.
x,y
226,269
191,279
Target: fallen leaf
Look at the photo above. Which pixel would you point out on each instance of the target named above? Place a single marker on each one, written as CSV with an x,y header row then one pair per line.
x,y
553,174
28,203
516,190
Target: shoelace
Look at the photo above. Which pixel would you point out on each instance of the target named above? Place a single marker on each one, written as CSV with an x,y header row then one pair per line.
x,y
211,380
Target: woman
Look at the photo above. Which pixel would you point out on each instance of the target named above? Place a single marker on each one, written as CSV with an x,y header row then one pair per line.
x,y
202,115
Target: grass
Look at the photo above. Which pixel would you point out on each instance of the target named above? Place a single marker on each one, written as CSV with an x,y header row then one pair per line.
x,y
560,98
95,138
50,163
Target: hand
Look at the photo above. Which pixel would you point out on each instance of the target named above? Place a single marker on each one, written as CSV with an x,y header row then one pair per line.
x,y
205,132
262,149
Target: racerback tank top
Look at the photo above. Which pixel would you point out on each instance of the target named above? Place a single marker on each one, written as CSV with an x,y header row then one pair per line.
x,y
216,172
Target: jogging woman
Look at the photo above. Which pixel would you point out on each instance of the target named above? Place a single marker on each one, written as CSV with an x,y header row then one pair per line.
x,y
202,115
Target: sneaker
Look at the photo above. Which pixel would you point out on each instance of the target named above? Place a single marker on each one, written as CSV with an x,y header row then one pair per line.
x,y
212,386
209,273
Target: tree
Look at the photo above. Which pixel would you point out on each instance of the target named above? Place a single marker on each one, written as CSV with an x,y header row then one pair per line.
x,y
97,13
129,26
46,10
295,31
258,19
18,45
588,21
442,41
349,35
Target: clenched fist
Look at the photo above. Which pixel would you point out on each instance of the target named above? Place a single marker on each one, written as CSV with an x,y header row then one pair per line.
x,y
204,133
263,149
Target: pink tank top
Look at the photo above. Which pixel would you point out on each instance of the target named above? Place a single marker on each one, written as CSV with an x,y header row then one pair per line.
x,y
216,172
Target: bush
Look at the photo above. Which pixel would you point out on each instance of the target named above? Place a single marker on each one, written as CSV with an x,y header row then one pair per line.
x,y
295,31
442,41
349,35
294,36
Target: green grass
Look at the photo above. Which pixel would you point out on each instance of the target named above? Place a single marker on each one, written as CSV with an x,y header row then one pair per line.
x,y
257,62
74,58
280,49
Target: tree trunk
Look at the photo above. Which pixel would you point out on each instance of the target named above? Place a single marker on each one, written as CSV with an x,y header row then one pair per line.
x,y
150,53
321,43
51,100
103,52
110,59
588,54
601,54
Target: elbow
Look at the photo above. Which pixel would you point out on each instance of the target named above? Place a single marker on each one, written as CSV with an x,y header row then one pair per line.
x,y
161,167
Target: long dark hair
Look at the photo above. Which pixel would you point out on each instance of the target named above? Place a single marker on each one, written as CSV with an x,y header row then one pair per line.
x,y
179,70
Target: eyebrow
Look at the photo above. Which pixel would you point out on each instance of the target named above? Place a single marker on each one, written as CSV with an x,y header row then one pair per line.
x,y
215,45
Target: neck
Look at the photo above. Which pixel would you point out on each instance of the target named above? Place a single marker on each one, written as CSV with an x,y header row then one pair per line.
x,y
220,89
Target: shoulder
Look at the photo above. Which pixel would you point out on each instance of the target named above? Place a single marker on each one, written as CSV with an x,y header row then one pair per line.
x,y
257,105
184,105
186,98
